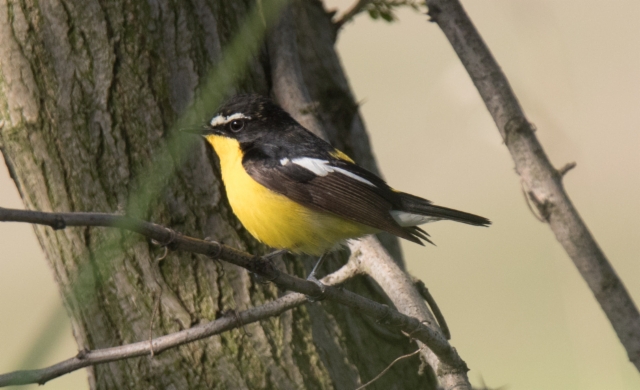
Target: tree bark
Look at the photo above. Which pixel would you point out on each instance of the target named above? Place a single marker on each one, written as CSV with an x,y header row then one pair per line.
x,y
88,92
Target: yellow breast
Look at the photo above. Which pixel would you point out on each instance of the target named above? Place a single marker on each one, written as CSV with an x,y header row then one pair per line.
x,y
274,219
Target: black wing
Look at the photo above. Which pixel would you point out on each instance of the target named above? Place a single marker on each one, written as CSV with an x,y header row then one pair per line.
x,y
410,203
334,192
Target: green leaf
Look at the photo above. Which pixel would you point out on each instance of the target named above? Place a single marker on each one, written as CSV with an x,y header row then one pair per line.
x,y
388,16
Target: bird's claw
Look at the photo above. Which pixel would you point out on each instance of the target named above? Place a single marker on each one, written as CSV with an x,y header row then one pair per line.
x,y
312,278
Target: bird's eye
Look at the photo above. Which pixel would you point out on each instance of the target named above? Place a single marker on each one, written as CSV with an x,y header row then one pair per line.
x,y
236,125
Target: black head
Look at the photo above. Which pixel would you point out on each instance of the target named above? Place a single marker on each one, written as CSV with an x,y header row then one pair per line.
x,y
247,118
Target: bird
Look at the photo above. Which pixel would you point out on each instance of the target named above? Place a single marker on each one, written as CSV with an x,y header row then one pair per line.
x,y
295,192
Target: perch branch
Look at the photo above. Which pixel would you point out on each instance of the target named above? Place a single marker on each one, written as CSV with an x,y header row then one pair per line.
x,y
264,268
542,180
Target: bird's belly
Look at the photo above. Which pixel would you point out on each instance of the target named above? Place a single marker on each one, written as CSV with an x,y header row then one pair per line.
x,y
281,223
278,221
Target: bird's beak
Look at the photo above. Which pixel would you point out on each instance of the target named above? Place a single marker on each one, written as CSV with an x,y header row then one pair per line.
x,y
203,129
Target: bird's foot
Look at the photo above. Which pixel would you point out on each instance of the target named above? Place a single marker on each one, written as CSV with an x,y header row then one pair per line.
x,y
312,278
269,257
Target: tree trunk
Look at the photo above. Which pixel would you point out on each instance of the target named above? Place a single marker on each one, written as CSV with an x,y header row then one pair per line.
x,y
88,91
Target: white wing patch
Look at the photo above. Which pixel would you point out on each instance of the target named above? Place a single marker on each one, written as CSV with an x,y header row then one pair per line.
x,y
409,219
223,120
322,168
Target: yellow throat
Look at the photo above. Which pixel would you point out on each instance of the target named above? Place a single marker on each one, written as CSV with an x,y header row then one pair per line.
x,y
274,219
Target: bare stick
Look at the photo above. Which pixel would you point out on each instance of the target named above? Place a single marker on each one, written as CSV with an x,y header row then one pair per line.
x,y
351,13
387,316
543,182
377,263
159,344
433,305
389,367
566,168
154,346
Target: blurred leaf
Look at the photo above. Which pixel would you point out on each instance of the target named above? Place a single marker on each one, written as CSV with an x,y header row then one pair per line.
x,y
385,9
388,16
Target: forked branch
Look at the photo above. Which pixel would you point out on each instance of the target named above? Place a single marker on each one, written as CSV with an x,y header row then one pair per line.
x,y
264,268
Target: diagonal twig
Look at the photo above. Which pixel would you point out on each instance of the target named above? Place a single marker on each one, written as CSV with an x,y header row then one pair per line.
x,y
543,181
433,305
159,344
154,346
375,262
389,367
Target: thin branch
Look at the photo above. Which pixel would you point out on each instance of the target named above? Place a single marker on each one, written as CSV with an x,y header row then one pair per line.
x,y
433,305
528,199
566,168
542,180
154,346
351,13
175,241
377,263
389,367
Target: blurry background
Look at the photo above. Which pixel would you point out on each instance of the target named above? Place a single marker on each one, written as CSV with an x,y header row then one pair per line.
x,y
520,314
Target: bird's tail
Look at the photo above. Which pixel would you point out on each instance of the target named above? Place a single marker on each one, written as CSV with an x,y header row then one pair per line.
x,y
421,207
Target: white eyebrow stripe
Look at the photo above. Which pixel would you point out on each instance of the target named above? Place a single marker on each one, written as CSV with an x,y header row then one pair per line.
x,y
223,120
284,161
322,168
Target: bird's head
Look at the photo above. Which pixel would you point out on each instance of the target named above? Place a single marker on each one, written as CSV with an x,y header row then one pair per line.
x,y
246,118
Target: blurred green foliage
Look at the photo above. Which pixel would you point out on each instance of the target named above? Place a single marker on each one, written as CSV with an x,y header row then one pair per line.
x,y
385,9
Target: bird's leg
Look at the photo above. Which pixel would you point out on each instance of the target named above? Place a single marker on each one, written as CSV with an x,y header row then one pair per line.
x,y
274,254
312,278
268,257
